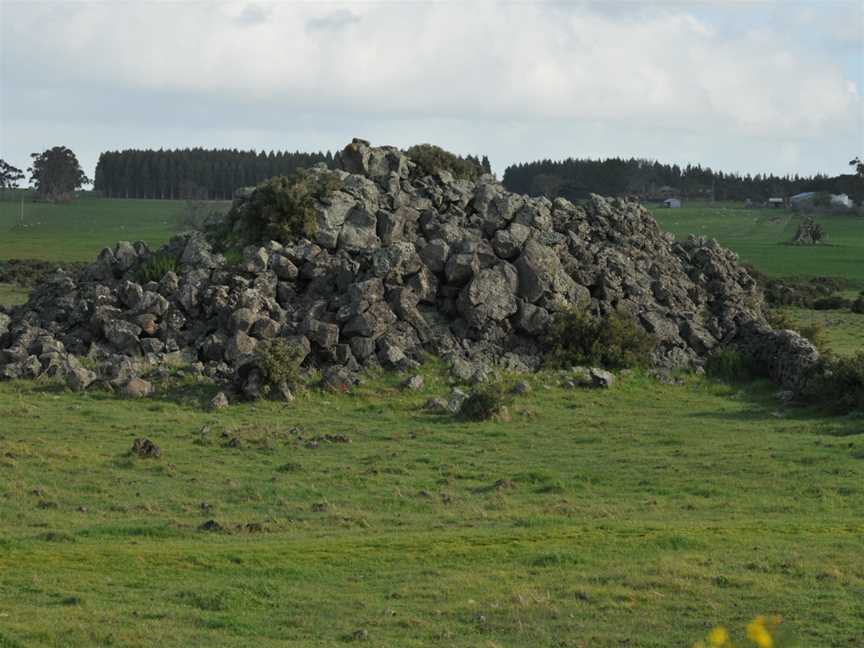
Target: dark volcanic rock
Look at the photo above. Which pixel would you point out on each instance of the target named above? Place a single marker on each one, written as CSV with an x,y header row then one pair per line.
x,y
401,264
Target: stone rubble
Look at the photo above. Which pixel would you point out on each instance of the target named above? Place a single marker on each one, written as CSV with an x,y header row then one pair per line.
x,y
400,265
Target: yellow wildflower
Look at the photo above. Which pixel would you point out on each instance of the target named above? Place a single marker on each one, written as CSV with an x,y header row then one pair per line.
x,y
757,633
718,637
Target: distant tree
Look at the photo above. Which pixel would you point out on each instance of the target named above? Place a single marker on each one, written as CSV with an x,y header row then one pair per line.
x,y
10,176
56,174
858,165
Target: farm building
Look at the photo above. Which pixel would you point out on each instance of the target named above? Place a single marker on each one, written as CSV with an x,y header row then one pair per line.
x,y
801,198
841,200
810,197
672,203
776,203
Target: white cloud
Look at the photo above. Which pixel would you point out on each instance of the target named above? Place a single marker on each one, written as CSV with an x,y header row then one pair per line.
x,y
651,70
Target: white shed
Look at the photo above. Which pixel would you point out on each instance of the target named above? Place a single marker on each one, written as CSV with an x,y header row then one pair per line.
x,y
841,200
672,203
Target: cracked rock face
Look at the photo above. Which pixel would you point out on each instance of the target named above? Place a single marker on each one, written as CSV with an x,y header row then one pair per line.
x,y
400,264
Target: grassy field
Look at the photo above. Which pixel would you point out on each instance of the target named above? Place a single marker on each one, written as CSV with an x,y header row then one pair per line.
x,y
79,230
757,236
637,516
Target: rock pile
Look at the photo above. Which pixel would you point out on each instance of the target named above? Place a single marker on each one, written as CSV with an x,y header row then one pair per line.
x,y
399,264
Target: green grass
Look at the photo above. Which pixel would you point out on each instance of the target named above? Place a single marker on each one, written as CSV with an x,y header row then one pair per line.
x,y
12,294
77,231
757,236
844,330
637,516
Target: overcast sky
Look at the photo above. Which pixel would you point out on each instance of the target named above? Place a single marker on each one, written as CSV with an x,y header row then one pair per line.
x,y
735,85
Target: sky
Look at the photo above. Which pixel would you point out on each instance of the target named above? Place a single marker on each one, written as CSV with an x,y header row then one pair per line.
x,y
735,85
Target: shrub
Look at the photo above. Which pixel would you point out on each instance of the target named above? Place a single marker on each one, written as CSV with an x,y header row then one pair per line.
x,y
730,365
791,291
431,158
486,402
280,209
858,304
834,302
156,267
840,387
575,337
279,363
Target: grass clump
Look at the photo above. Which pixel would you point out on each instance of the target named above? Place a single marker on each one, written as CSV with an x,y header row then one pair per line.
x,y
858,305
280,209
156,267
487,402
576,337
730,365
431,159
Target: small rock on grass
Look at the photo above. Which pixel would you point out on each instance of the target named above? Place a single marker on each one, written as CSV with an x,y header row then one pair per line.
x,y
414,383
138,388
211,526
521,388
219,401
146,449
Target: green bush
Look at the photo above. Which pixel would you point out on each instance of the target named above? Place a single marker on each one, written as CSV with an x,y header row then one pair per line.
x,y
834,302
730,365
575,337
280,209
840,388
431,158
858,304
156,267
279,363
487,402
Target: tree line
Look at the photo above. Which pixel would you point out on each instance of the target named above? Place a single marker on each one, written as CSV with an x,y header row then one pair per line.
x,y
575,178
200,174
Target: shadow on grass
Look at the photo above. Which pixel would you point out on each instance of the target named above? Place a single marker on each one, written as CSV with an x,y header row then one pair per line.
x,y
762,405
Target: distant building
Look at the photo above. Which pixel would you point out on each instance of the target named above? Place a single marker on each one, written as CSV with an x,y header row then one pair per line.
x,y
776,203
841,200
810,198
672,203
801,198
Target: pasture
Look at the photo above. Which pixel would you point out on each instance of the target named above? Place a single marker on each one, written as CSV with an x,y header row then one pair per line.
x,y
757,235
641,515
79,230
637,516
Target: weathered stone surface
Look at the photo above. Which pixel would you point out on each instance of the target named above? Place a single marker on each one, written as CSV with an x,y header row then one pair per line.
x,y
491,295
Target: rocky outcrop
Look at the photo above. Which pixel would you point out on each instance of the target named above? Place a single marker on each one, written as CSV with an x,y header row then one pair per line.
x,y
399,264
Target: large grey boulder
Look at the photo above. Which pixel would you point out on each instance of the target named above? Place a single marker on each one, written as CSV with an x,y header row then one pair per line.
x,y
491,295
541,273
330,215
